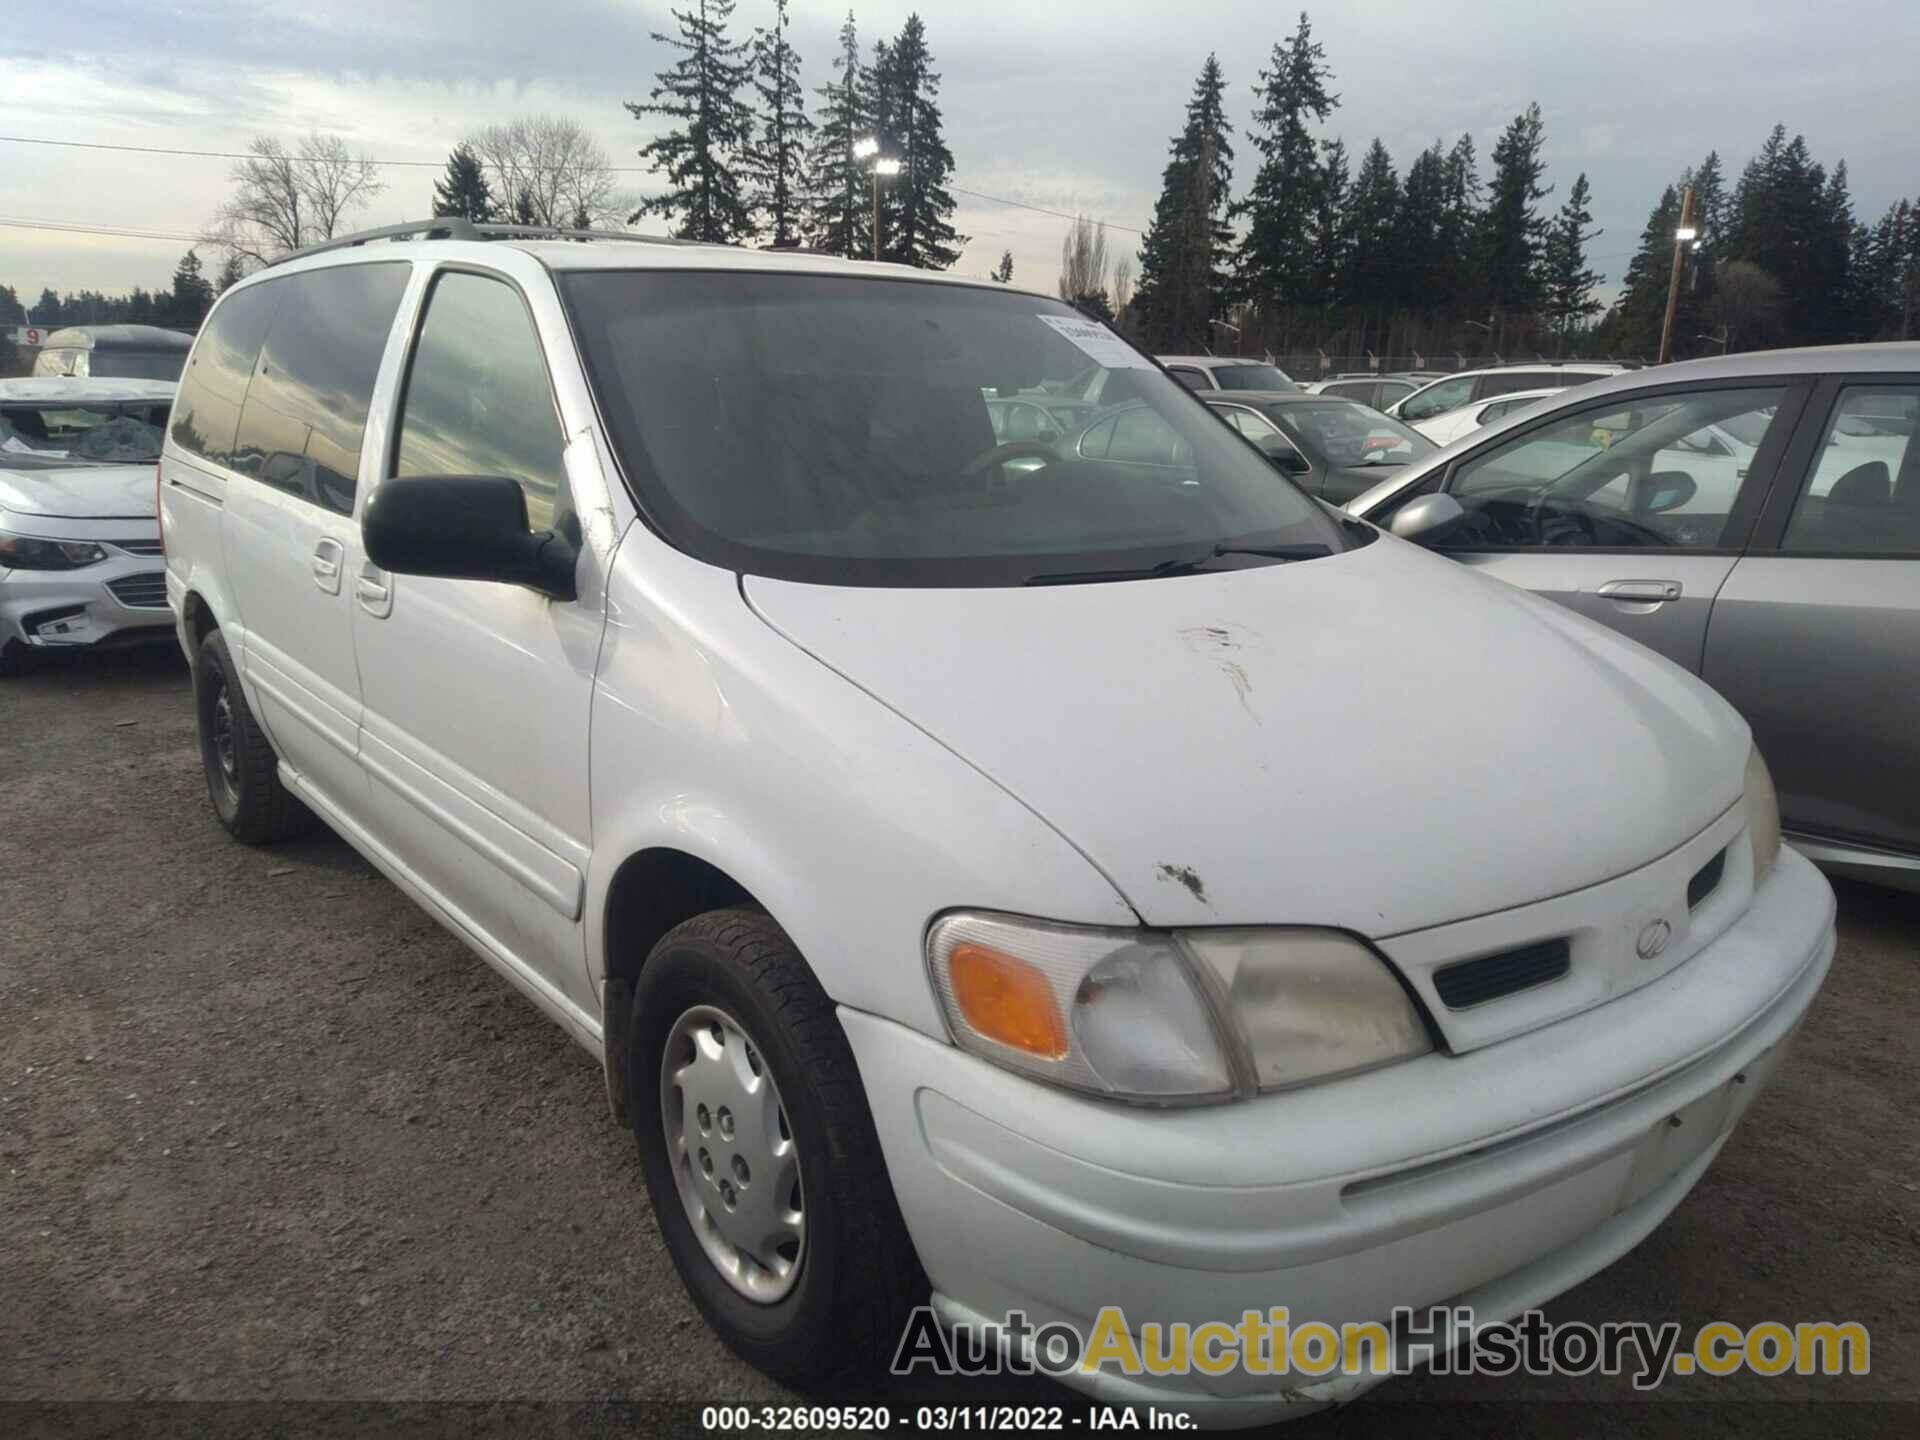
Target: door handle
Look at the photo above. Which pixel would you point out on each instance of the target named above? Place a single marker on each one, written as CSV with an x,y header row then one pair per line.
x,y
373,592
1641,592
327,556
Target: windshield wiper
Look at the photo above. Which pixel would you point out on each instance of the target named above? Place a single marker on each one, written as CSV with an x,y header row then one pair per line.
x,y
1182,565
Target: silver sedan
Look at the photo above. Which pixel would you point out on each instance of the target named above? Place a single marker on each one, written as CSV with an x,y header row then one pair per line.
x,y
1756,519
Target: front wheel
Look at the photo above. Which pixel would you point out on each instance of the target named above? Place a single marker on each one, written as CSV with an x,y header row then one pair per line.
x,y
760,1153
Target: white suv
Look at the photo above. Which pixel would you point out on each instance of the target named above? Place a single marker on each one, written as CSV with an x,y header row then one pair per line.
x,y
942,857
1452,391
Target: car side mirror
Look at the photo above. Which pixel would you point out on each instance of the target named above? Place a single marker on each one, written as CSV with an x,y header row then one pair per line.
x,y
465,527
1429,518
1284,457
1669,490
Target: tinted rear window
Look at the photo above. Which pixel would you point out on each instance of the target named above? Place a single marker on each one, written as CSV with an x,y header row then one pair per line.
x,y
206,412
306,410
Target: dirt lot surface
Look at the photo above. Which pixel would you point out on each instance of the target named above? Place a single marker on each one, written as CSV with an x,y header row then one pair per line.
x,y
268,1134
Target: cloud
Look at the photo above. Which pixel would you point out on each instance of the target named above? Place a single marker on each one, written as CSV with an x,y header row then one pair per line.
x,y
1066,105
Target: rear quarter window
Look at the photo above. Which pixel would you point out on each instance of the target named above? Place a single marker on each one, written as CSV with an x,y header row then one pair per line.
x,y
306,408
206,411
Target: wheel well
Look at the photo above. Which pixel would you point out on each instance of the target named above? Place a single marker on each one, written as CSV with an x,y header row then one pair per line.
x,y
199,616
652,892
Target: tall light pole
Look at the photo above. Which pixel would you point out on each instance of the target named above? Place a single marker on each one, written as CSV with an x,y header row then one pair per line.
x,y
1682,237
883,167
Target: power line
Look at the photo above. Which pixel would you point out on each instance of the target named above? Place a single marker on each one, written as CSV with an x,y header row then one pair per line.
x,y
75,227
436,164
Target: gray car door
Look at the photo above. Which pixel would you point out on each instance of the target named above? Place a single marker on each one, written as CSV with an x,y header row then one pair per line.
x,y
1816,635
1617,511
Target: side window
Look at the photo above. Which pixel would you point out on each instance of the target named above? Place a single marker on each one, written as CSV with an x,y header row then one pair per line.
x,y
1141,437
306,410
1360,390
1094,444
1441,396
1189,377
1612,478
1862,496
206,411
478,401
1392,390
1253,426
1508,381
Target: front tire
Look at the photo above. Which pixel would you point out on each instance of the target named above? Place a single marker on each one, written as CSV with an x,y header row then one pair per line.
x,y
760,1153
243,773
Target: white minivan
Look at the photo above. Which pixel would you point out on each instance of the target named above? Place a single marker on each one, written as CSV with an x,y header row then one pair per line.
x,y
1005,876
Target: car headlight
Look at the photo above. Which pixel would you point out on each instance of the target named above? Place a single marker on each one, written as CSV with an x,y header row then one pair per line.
x,y
26,552
1763,815
1169,1017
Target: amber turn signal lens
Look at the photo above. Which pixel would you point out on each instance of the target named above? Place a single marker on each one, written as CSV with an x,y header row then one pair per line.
x,y
1007,1000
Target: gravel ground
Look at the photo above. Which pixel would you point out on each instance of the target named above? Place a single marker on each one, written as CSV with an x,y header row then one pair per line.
x,y
268,1134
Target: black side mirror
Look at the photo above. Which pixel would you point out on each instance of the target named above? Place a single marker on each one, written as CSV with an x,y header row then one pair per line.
x,y
1284,457
465,527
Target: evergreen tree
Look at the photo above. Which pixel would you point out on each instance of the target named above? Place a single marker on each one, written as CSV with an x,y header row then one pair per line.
x,y
837,216
776,163
1634,327
1182,280
1784,219
192,294
232,271
463,190
48,311
1276,263
1512,230
1459,225
1003,272
915,206
701,154
1566,280
1422,276
1374,205
527,212
1332,232
1886,265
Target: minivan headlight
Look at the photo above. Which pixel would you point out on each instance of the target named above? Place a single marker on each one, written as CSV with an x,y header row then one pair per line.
x,y
1168,1017
1763,815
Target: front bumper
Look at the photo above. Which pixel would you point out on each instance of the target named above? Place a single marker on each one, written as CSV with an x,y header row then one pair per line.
x,y
117,599
1497,1178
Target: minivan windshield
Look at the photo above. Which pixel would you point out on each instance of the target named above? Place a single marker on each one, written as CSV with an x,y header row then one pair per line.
x,y
849,430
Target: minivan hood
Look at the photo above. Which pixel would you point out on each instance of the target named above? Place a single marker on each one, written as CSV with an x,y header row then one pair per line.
x,y
84,492
1380,740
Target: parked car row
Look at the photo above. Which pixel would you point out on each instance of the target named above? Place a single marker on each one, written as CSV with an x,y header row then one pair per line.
x,y
961,888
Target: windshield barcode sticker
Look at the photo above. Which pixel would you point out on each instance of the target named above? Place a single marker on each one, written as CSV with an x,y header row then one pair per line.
x,y
1098,343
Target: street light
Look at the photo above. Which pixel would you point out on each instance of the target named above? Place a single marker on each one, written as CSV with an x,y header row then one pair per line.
x,y
884,167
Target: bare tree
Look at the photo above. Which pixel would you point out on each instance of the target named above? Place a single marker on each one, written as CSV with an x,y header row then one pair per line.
x,y
1083,260
555,172
1122,291
283,200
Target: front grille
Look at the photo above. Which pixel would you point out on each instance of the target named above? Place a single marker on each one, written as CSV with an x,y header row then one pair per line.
x,y
139,547
1705,879
141,592
1474,982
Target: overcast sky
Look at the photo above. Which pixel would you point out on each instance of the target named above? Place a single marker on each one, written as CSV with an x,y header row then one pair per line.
x,y
1065,104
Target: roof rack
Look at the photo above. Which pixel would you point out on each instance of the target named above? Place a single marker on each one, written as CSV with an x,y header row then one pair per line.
x,y
458,227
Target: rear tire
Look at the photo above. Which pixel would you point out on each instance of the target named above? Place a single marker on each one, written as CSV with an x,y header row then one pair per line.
x,y
735,974
243,773
13,658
